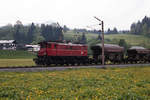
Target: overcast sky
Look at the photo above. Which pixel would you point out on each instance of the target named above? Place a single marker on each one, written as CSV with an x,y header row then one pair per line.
x,y
75,13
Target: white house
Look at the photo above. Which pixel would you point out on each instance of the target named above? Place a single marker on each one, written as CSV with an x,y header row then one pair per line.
x,y
33,47
7,44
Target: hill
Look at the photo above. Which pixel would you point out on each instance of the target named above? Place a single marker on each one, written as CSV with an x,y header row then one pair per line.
x,y
70,35
133,40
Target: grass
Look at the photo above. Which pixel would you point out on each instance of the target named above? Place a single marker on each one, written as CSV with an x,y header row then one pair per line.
x,y
12,54
16,62
70,35
16,58
133,40
80,84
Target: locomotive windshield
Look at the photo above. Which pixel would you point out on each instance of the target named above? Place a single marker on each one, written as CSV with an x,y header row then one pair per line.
x,y
43,45
49,45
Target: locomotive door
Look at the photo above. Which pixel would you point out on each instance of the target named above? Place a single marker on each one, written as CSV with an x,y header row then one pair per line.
x,y
82,51
55,50
43,50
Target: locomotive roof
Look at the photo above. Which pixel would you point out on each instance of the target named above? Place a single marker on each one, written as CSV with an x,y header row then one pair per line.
x,y
109,45
137,47
108,48
71,44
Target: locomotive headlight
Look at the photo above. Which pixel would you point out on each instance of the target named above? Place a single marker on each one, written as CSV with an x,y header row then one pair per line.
x,y
82,52
44,53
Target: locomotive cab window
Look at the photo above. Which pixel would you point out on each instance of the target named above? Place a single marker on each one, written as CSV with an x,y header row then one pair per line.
x,y
43,45
55,46
70,47
49,46
85,48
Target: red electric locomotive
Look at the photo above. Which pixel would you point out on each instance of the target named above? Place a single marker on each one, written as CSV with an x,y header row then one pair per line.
x,y
61,53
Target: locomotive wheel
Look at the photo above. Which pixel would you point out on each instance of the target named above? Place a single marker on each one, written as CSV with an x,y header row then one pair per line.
x,y
67,64
73,64
61,64
78,63
56,63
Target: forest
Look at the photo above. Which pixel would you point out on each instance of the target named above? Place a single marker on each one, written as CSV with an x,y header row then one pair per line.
x,y
34,33
31,34
141,27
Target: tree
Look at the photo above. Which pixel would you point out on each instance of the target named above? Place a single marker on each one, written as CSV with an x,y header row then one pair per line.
x,y
38,39
141,27
83,38
123,43
115,31
145,29
132,28
37,36
108,31
19,32
60,34
138,29
65,29
52,33
31,32
148,32
99,37
6,32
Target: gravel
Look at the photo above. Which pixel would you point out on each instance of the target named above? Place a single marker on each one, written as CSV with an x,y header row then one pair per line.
x,y
37,69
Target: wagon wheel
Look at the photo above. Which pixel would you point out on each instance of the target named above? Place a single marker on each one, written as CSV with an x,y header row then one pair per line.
x,y
78,63
72,64
67,64
62,62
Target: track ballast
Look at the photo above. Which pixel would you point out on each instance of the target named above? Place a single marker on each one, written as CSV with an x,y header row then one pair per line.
x,y
47,68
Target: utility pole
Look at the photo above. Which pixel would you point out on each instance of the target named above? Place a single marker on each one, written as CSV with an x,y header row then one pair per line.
x,y
102,30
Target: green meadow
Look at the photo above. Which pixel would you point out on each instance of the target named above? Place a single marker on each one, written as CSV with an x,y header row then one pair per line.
x,y
77,84
16,62
16,58
133,40
16,54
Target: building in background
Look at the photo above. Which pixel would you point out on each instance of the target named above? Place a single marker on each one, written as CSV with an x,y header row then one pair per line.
x,y
33,48
8,44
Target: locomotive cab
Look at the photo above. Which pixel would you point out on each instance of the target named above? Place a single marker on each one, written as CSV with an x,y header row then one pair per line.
x,y
42,50
47,49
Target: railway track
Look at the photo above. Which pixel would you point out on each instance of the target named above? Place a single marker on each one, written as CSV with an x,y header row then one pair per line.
x,y
43,68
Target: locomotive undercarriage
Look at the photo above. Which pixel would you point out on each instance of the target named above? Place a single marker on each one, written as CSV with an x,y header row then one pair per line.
x,y
84,60
114,58
61,60
138,58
